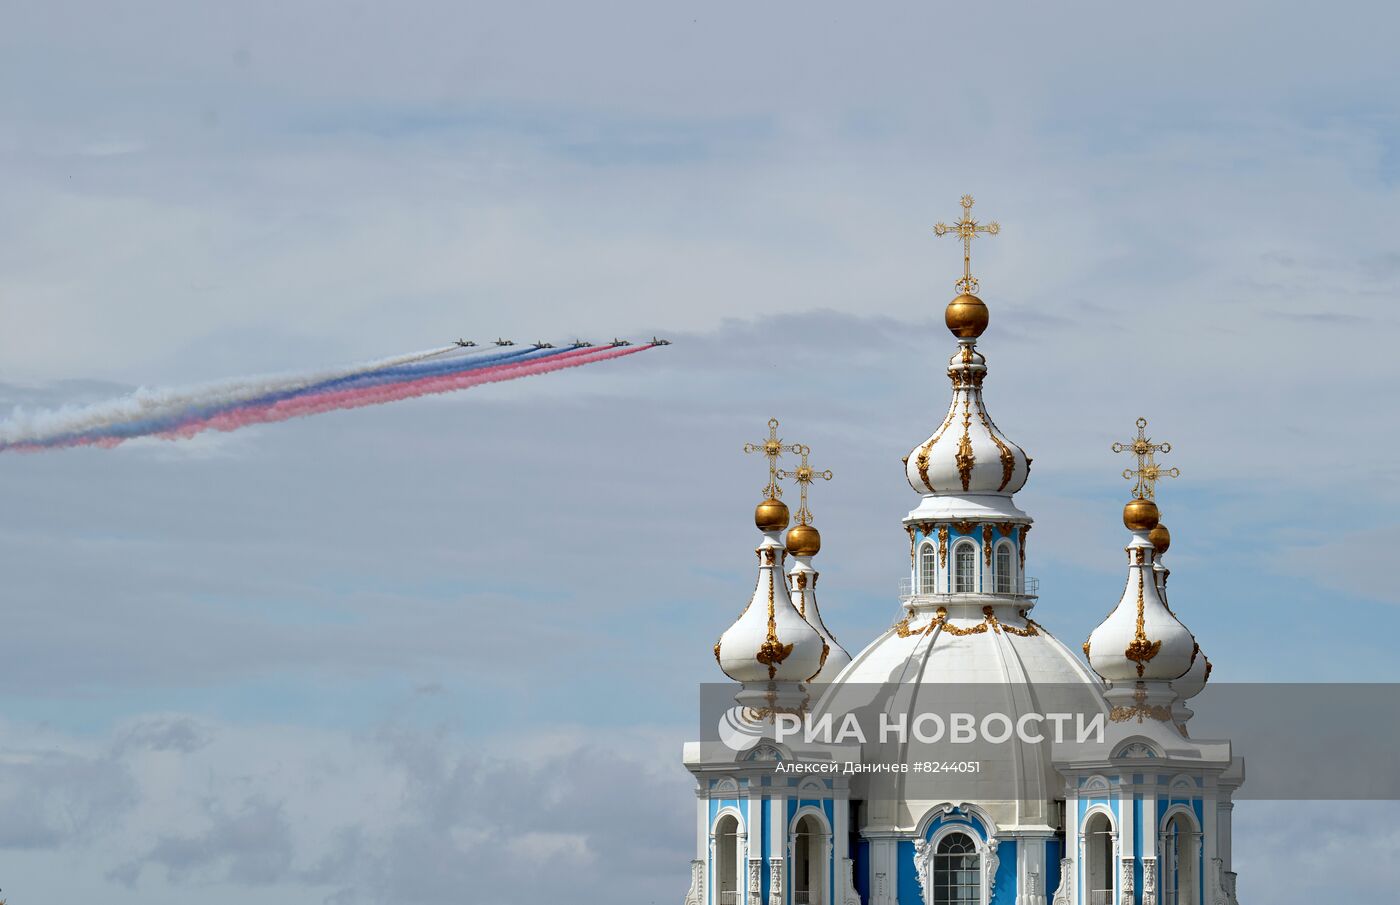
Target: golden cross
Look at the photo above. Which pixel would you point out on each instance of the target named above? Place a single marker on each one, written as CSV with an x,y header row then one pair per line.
x,y
773,448
804,475
1148,471
966,229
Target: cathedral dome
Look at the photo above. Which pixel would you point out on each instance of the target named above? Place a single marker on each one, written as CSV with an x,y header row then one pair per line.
x,y
1141,639
978,658
968,454
1194,682
803,582
770,641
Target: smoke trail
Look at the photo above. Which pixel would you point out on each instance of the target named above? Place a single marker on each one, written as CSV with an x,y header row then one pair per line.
x,y
25,428
229,406
358,397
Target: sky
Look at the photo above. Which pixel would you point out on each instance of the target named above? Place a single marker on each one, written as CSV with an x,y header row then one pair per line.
x,y
412,653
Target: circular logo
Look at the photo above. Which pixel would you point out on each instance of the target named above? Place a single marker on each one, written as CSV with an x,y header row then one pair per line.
x,y
739,730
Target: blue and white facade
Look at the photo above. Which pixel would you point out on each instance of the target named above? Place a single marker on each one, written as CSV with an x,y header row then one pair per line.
x,y
1140,817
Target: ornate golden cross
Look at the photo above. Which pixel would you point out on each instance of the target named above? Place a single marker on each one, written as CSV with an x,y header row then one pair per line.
x,y
773,448
804,475
966,229
1148,471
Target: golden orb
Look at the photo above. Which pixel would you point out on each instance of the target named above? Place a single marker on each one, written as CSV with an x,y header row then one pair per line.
x,y
771,515
1140,515
1161,538
966,316
804,540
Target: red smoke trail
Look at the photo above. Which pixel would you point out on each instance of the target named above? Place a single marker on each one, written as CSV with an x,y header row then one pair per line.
x,y
357,398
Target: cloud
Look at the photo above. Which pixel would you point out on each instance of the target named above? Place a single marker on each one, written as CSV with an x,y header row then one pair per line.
x,y
401,815
214,636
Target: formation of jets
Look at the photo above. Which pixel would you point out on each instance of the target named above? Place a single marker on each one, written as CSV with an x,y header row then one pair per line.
x,y
576,344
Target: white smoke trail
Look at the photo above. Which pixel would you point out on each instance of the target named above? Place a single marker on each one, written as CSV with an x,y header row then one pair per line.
x,y
34,427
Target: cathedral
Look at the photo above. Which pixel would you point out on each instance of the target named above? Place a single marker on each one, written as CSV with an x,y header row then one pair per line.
x,y
1119,805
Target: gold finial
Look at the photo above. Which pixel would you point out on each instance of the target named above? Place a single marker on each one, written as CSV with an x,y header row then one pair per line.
x,y
804,475
773,448
1148,471
966,229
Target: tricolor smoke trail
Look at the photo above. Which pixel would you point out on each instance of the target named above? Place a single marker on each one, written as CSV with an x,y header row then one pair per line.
x,y
178,414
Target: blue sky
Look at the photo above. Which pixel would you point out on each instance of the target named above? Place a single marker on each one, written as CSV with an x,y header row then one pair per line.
x,y
397,653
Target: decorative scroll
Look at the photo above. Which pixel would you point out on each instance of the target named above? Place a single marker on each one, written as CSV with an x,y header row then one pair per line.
x,y
696,894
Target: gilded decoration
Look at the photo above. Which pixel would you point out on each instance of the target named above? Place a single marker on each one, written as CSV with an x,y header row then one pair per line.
x,y
772,651
922,459
966,229
1008,462
943,546
772,449
716,651
913,543
1140,710
905,629
1086,650
1007,529
987,544
965,527
1030,631
1140,650
804,474
1025,529
964,457
821,664
1148,472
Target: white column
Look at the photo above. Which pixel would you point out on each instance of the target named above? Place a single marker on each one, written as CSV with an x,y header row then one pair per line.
x,y
778,850
1151,843
884,871
755,853
1030,870
702,827
840,846
1224,829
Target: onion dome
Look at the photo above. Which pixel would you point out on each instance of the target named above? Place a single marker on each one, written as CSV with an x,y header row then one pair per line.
x,y
770,641
1141,639
802,580
1190,685
1194,682
968,453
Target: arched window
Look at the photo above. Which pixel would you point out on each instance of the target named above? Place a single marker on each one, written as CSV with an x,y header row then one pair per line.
x,y
1098,873
965,567
727,860
1005,571
928,569
1180,857
957,871
808,863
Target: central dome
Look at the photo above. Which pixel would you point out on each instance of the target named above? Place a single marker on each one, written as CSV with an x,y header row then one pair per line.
x,y
967,454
